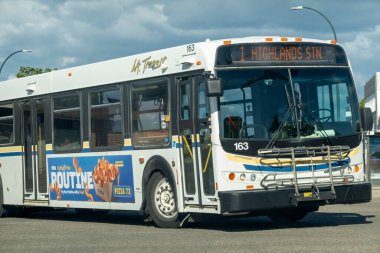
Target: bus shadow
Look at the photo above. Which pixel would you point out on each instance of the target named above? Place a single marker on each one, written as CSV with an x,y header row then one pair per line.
x,y
123,218
220,223
317,219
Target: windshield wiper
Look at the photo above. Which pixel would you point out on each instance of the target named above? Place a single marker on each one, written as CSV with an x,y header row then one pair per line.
x,y
290,111
276,134
295,106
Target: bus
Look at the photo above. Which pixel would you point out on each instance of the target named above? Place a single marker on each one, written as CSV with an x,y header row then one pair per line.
x,y
255,126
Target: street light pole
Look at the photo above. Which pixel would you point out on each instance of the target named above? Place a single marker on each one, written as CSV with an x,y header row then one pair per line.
x,y
9,56
328,21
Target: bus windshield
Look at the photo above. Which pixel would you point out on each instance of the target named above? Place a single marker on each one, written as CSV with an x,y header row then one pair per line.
x,y
288,103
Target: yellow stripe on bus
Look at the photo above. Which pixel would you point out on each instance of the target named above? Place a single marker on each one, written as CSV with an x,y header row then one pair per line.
x,y
284,162
11,149
127,142
49,147
86,144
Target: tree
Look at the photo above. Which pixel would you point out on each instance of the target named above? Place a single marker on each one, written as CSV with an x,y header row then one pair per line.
x,y
362,103
30,71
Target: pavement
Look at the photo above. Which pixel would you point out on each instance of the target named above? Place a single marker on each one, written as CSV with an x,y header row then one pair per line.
x,y
375,191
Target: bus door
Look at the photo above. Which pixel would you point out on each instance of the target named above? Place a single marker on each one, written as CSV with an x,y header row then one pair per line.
x,y
195,142
33,141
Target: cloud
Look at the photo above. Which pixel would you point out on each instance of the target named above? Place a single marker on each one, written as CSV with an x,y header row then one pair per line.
x,y
68,60
365,43
362,48
66,33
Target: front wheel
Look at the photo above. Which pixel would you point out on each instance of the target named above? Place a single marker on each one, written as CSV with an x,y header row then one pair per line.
x,y
3,212
161,202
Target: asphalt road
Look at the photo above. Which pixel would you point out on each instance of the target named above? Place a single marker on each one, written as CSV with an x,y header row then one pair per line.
x,y
338,228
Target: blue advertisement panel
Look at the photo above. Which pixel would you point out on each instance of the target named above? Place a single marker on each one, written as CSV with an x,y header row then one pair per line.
x,y
91,178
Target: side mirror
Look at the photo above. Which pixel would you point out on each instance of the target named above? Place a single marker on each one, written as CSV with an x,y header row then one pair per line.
x,y
366,118
214,88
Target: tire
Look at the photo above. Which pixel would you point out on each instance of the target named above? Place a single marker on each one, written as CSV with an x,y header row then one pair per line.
x,y
161,202
3,211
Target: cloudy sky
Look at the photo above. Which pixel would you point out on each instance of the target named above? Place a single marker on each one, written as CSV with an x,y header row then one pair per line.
x,y
66,33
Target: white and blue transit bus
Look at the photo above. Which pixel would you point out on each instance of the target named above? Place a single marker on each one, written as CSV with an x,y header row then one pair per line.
x,y
257,125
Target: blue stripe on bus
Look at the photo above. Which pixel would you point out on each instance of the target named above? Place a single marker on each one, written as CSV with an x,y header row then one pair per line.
x,y
299,168
86,150
11,154
180,145
176,144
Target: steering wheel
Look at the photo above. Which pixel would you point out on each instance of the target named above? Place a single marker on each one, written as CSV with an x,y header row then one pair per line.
x,y
242,130
325,118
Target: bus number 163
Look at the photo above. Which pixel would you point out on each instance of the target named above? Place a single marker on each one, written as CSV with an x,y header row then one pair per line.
x,y
241,146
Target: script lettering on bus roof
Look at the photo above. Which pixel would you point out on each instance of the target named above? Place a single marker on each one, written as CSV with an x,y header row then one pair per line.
x,y
147,63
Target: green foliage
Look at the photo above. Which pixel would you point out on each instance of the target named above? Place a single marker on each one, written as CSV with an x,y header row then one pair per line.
x,y
30,71
362,103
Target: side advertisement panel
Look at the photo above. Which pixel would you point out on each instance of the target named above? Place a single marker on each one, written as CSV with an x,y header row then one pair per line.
x,y
91,178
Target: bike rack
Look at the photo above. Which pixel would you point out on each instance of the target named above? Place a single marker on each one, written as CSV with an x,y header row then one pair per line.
x,y
314,187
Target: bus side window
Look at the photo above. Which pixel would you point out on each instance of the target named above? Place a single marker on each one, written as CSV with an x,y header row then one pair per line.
x,y
106,119
150,116
67,135
6,124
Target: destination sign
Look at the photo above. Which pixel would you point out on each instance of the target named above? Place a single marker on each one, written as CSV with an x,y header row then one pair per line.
x,y
280,54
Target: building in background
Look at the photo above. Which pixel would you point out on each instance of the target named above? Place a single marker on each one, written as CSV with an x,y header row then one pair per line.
x,y
371,98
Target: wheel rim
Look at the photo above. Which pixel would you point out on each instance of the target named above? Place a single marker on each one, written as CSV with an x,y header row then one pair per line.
x,y
164,199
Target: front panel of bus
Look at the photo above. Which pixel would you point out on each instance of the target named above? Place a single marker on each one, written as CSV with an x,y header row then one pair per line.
x,y
289,127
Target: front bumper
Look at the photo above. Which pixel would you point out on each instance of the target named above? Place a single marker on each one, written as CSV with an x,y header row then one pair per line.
x,y
243,201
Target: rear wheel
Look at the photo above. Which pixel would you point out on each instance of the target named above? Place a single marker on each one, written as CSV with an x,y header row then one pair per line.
x,y
3,211
161,202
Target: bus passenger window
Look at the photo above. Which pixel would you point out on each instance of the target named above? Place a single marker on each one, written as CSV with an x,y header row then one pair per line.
x,y
106,119
150,115
6,124
67,123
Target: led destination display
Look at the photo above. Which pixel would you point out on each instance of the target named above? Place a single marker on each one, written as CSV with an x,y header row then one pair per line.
x,y
280,54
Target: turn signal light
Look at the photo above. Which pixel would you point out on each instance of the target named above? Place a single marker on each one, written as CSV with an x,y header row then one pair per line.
x,y
231,176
